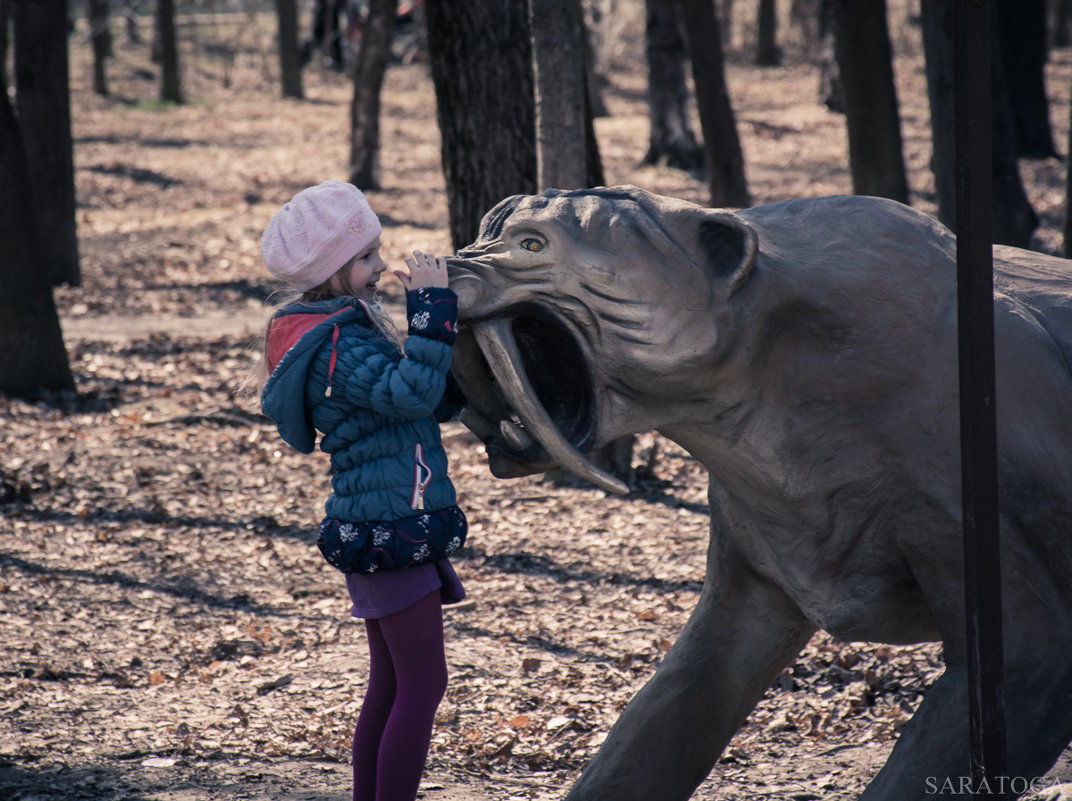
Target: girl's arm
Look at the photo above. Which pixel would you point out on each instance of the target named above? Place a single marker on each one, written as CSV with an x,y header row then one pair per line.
x,y
431,272
414,386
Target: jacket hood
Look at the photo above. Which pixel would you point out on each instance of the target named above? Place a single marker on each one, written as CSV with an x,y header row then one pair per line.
x,y
295,334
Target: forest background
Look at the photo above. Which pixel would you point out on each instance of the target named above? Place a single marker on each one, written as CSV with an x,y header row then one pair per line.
x,y
169,629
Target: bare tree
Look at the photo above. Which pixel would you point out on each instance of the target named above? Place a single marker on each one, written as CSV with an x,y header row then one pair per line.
x,y
43,106
372,58
1067,231
723,157
33,360
325,38
167,40
726,24
595,81
938,52
1014,219
289,57
101,39
831,92
481,59
559,80
130,21
1021,26
671,140
865,64
1061,15
481,56
804,15
767,52
5,25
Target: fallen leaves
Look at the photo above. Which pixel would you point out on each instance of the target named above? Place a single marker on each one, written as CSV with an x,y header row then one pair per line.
x,y
160,590
191,540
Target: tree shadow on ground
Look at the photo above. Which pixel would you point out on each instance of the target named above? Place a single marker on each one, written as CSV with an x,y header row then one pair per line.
x,y
40,782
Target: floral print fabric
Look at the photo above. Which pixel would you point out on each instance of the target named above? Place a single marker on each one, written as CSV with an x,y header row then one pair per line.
x,y
377,545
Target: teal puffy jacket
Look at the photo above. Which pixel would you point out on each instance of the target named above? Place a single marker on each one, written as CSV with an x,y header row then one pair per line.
x,y
378,410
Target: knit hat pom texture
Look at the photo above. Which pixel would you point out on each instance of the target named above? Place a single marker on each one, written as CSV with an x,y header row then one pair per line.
x,y
318,232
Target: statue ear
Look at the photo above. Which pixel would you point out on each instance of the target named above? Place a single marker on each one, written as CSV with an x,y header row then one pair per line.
x,y
492,223
729,246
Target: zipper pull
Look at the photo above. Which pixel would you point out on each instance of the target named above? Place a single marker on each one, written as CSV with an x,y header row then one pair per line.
x,y
422,477
331,361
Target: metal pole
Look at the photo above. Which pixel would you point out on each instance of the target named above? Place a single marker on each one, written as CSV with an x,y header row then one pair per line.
x,y
978,426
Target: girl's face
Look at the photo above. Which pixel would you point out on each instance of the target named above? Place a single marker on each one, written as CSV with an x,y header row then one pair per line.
x,y
358,277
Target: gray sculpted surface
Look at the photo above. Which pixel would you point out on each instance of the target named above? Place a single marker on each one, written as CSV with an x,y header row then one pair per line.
x,y
805,352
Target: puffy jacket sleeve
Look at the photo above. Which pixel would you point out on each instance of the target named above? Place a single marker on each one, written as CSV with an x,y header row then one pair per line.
x,y
453,401
411,387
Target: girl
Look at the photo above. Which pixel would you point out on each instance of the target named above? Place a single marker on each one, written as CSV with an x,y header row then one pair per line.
x,y
335,368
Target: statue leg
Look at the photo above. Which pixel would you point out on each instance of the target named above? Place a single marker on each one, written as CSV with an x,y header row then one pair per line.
x,y
743,632
933,745
931,758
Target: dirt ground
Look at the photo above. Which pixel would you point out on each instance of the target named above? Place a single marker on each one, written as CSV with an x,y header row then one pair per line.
x,y
170,631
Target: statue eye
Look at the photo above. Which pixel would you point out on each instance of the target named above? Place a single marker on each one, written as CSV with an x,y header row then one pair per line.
x,y
535,245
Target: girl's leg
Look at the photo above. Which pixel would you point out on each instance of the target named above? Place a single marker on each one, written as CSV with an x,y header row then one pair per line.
x,y
415,639
375,709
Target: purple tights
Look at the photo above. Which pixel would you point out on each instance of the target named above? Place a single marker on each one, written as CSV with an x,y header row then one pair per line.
x,y
407,679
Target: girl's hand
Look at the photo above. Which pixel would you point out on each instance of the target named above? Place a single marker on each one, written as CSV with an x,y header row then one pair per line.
x,y
424,270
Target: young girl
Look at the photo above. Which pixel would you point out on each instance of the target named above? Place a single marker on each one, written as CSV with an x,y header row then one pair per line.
x,y
334,368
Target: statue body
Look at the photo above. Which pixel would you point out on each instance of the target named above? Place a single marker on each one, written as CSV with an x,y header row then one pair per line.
x,y
806,353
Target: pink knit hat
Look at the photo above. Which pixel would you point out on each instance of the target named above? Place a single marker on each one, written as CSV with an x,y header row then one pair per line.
x,y
317,232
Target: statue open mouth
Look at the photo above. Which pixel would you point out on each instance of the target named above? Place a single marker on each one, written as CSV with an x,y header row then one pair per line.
x,y
529,396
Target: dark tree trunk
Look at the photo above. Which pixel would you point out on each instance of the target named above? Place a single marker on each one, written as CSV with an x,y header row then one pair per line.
x,y
723,158
130,21
43,105
5,24
804,15
1067,250
1062,16
420,19
154,43
559,77
32,356
865,62
170,82
326,37
101,39
726,6
831,91
369,69
937,27
481,60
1021,26
594,80
671,141
1014,219
593,161
767,52
289,58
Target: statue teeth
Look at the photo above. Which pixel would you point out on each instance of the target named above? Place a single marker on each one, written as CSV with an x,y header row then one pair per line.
x,y
515,435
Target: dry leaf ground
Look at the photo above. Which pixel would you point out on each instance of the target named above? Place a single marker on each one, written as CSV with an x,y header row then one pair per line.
x,y
169,629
